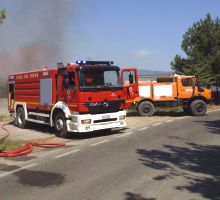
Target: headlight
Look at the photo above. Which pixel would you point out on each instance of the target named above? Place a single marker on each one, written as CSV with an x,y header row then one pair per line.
x,y
86,121
122,117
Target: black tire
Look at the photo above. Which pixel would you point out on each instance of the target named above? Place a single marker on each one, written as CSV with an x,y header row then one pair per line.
x,y
198,107
20,118
60,125
145,108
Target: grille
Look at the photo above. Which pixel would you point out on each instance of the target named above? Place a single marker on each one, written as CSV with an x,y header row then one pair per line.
x,y
105,120
100,107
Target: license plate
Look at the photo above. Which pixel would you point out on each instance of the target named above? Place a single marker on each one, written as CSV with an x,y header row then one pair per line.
x,y
106,117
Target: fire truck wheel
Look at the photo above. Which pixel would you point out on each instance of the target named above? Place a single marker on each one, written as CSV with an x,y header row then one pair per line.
x,y
60,125
20,118
145,108
198,107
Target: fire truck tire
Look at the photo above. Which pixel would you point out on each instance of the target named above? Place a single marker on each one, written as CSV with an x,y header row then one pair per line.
x,y
198,107
60,125
20,118
146,108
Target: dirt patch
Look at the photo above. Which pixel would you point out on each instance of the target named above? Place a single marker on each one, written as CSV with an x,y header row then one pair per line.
x,y
4,107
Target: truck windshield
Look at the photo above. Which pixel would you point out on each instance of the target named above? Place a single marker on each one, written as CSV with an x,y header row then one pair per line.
x,y
97,78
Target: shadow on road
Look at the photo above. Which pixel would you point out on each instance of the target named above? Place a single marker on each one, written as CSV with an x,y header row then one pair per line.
x,y
46,129
40,178
6,167
213,126
198,164
134,196
101,133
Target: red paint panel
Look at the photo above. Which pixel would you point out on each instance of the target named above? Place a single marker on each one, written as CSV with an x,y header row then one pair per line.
x,y
40,107
27,92
34,99
27,86
29,80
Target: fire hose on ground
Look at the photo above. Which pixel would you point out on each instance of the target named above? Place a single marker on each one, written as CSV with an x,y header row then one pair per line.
x,y
26,148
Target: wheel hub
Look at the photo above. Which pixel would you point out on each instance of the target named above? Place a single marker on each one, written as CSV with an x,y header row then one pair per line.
x,y
200,108
20,121
59,124
146,110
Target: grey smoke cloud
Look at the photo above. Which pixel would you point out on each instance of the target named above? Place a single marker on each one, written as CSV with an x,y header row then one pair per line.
x,y
33,35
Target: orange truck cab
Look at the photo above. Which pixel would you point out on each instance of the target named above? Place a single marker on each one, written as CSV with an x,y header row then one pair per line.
x,y
167,91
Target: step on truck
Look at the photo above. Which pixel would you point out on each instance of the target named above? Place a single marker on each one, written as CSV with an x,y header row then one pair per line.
x,y
78,97
167,91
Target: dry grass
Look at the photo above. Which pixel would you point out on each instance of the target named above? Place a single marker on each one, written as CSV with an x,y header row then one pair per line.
x,y
10,145
213,107
4,114
4,118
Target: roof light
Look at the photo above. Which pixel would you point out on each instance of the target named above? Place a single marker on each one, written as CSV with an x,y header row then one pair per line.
x,y
83,62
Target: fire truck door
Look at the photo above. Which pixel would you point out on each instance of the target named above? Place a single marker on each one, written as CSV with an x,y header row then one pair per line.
x,y
69,87
129,79
11,94
186,88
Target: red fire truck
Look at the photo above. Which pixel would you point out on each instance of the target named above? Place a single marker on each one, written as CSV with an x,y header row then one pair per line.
x,y
77,97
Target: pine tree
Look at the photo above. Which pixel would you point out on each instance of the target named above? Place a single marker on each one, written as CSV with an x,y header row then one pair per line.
x,y
201,44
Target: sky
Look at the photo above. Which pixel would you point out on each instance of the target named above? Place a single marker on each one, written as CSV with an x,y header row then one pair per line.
x,y
146,34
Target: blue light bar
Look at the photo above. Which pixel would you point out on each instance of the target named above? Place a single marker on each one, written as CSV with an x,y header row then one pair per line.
x,y
83,62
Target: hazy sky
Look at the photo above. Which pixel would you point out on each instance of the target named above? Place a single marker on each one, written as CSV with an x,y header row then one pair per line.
x,y
135,33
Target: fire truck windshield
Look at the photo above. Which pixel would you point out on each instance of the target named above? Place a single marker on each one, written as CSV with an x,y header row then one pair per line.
x,y
96,78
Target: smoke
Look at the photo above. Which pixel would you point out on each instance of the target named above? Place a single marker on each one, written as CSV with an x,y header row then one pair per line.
x,y
33,35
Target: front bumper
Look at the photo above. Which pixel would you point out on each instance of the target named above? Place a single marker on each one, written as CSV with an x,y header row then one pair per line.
x,y
98,122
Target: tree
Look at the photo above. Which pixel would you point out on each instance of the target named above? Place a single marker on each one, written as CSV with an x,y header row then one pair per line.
x,y
201,44
2,15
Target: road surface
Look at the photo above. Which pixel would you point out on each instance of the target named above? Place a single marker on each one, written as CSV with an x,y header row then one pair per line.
x,y
173,159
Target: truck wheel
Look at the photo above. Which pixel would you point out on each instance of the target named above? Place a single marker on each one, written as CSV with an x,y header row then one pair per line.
x,y
198,107
60,125
145,108
20,118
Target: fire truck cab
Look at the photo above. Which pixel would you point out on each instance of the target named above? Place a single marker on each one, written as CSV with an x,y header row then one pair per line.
x,y
77,97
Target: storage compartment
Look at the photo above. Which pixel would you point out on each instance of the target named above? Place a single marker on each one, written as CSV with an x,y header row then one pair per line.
x,y
46,91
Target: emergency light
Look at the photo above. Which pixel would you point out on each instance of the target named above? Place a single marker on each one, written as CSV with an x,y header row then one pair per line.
x,y
83,62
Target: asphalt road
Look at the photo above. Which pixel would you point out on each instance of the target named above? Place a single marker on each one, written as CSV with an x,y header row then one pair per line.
x,y
174,159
